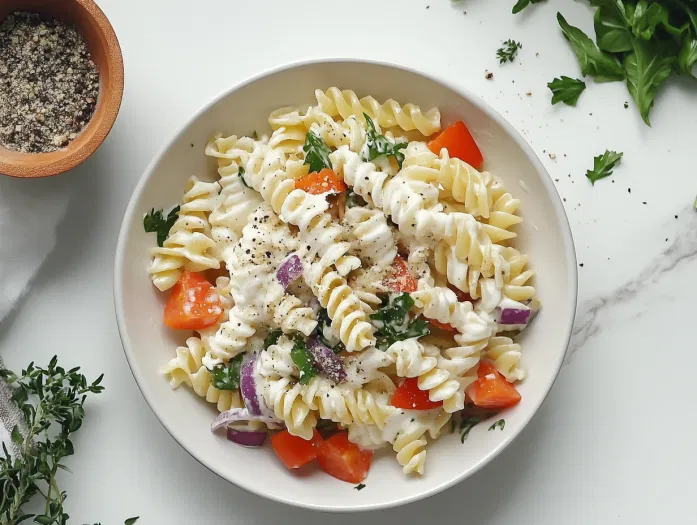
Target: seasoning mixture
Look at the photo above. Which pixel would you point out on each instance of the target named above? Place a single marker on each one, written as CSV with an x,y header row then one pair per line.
x,y
48,83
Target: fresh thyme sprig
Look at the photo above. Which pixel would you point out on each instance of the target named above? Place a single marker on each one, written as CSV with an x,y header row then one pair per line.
x,y
51,400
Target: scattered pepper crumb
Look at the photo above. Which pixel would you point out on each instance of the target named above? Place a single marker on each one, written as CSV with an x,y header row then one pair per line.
x,y
580,264
428,7
192,144
626,105
552,156
529,93
629,190
644,202
488,75
676,216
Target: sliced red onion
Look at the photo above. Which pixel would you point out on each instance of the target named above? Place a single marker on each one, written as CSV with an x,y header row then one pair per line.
x,y
246,438
329,364
289,270
248,386
516,316
239,414
251,392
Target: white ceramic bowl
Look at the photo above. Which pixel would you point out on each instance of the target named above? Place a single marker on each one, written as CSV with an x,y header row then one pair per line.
x,y
544,235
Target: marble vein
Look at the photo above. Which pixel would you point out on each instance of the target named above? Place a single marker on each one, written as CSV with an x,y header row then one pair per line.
x,y
682,250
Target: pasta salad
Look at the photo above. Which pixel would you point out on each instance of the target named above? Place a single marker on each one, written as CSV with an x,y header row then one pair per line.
x,y
350,283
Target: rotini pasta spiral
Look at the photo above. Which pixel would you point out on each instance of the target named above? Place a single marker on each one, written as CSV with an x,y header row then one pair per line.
x,y
345,404
370,235
506,357
389,114
187,368
517,282
284,397
188,245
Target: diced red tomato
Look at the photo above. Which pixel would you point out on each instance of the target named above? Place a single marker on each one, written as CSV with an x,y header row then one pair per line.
x,y
410,397
491,390
194,303
295,451
319,182
442,326
401,278
463,297
460,144
344,460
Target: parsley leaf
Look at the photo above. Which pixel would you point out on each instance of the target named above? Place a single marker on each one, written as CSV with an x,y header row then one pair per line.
x,y
646,69
131,521
354,200
603,165
469,418
154,222
325,334
601,66
393,324
240,173
272,338
227,377
360,486
500,424
522,4
508,51
378,145
316,152
566,90
303,360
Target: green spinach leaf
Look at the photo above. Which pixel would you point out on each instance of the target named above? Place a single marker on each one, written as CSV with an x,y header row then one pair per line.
x,y
394,323
316,152
378,145
566,90
154,222
303,360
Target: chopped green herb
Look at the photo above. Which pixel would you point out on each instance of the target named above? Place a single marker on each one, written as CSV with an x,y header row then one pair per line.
x,y
272,338
227,377
522,4
378,145
695,205
354,200
360,486
316,152
154,222
131,521
325,334
508,51
303,360
603,165
500,423
469,418
241,173
566,90
394,323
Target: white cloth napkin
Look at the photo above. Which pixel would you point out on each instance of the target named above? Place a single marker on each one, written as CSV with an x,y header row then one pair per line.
x,y
30,211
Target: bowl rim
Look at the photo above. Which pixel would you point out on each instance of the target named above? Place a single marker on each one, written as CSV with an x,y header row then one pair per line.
x,y
477,101
65,160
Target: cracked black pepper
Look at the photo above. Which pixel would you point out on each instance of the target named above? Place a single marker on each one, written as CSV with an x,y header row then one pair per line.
x,y
48,83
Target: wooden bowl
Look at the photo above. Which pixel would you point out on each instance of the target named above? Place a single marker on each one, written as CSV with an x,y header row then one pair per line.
x,y
106,53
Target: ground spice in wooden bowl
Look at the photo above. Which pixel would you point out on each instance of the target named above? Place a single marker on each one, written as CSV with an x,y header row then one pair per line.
x,y
48,83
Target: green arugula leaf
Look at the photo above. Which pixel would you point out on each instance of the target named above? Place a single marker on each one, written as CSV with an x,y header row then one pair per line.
x,y
646,71
688,55
647,17
501,423
227,377
522,4
154,222
601,66
394,323
303,360
508,51
378,145
603,165
354,200
240,174
316,152
612,29
131,521
272,338
566,90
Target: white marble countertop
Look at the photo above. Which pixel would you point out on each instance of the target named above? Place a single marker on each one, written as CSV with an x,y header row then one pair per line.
x,y
614,441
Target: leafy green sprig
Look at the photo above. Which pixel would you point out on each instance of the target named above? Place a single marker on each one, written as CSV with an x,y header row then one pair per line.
x,y
155,222
378,145
394,323
51,402
508,51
